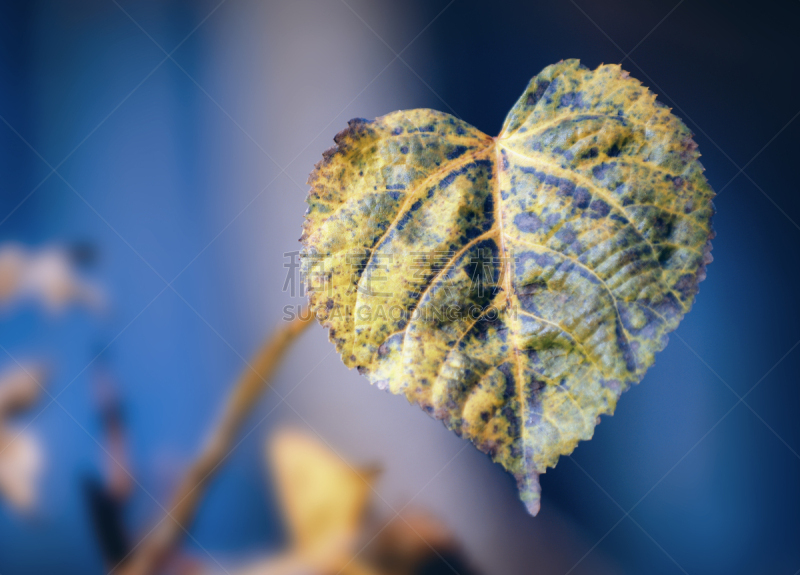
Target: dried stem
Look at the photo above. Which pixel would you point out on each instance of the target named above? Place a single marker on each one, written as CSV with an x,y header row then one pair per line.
x,y
158,545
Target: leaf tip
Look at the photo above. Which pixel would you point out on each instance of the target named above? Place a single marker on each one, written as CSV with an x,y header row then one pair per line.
x,y
530,491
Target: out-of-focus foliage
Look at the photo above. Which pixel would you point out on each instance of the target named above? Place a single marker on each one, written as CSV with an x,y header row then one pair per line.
x,y
514,286
323,499
326,506
48,276
323,502
21,458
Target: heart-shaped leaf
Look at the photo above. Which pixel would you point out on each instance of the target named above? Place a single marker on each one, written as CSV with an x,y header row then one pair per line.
x,y
514,286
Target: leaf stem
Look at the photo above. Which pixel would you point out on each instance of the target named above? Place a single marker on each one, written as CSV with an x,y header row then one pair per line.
x,y
157,546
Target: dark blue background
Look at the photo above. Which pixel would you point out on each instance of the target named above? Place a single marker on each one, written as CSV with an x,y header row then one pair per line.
x,y
159,175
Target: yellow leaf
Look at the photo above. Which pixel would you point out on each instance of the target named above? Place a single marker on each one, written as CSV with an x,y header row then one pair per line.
x,y
324,502
323,499
294,563
514,286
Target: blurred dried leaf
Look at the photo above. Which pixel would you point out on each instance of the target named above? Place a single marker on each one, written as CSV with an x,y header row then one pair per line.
x,y
20,388
324,503
48,276
21,458
323,499
569,246
21,462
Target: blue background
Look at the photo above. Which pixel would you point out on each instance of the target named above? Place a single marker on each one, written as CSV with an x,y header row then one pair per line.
x,y
173,167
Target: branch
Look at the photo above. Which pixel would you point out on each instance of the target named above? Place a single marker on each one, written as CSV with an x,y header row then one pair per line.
x,y
157,546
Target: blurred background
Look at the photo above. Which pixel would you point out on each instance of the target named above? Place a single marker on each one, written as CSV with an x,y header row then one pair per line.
x,y
153,158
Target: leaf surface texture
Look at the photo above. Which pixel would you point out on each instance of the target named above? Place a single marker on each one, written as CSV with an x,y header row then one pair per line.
x,y
569,246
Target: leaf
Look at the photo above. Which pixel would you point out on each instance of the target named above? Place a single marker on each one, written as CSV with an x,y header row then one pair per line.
x,y
324,500
21,457
568,246
49,276
326,505
21,463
